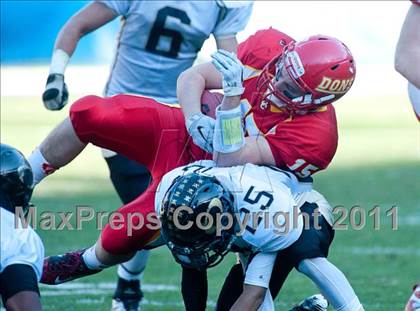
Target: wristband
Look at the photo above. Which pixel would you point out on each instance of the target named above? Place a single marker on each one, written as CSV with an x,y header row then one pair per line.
x,y
229,133
233,90
189,122
59,62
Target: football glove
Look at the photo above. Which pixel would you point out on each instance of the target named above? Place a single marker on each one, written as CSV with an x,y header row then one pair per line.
x,y
231,70
55,95
201,129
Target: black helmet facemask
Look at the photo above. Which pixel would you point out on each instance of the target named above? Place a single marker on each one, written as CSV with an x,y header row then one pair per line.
x,y
188,197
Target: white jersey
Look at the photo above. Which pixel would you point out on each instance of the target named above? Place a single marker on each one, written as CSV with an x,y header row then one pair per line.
x,y
259,191
19,245
160,39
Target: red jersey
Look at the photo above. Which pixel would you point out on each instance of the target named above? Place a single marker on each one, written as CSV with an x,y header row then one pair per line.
x,y
303,143
154,134
416,2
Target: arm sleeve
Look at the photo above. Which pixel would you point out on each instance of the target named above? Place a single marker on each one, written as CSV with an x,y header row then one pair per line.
x,y
232,19
121,7
259,268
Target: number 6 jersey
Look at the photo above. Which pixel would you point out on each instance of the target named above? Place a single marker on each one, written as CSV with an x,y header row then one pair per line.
x,y
160,39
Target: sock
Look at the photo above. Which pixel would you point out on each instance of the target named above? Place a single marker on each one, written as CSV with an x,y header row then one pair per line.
x,y
91,260
332,283
40,166
195,288
133,269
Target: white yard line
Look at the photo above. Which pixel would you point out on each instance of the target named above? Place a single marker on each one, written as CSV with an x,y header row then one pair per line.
x,y
96,289
90,301
105,286
409,220
379,250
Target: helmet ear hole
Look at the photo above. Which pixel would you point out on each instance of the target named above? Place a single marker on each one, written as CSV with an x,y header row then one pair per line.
x,y
335,67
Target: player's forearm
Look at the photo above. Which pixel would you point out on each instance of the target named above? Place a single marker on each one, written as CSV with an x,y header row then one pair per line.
x,y
190,86
68,38
248,302
227,43
86,20
230,102
256,151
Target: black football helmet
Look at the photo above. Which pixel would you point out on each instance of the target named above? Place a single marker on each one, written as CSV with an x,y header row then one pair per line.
x,y
186,198
16,178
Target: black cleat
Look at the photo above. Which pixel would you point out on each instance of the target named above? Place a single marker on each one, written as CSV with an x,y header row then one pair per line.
x,y
127,296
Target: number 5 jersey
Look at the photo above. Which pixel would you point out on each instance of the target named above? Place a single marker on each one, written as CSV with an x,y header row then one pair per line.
x,y
267,202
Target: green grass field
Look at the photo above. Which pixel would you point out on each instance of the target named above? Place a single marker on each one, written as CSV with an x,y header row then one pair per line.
x,y
377,163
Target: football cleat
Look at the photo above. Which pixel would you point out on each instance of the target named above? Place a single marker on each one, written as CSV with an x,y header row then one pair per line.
x,y
312,303
63,268
413,303
127,296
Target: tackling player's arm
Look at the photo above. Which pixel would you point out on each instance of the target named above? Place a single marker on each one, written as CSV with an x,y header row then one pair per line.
x,y
407,55
251,298
193,81
230,145
191,84
256,150
259,267
86,20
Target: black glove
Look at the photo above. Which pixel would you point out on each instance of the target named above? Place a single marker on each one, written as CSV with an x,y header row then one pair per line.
x,y
55,95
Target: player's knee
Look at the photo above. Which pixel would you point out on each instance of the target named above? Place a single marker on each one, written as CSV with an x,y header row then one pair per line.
x,y
85,106
86,115
86,103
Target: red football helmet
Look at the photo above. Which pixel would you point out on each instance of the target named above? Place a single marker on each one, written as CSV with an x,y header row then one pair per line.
x,y
308,74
